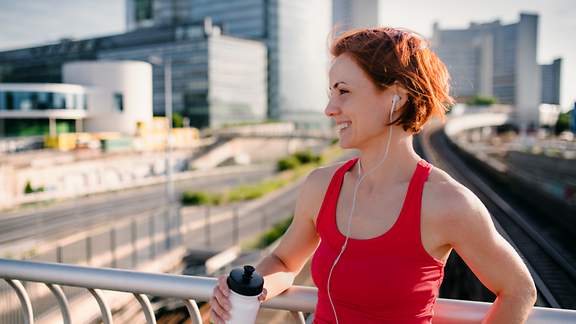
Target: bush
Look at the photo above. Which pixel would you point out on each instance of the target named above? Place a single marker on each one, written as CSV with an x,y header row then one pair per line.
x,y
28,189
288,163
304,156
481,101
297,159
258,190
200,198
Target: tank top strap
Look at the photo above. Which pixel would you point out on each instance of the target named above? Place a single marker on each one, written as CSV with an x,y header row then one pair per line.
x,y
331,195
414,202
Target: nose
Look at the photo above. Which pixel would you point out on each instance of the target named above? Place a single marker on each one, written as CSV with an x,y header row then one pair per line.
x,y
331,109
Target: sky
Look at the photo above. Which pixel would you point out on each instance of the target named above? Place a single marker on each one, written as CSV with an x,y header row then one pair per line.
x,y
34,22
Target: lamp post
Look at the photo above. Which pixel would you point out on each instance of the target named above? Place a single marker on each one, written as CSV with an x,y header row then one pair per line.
x,y
167,66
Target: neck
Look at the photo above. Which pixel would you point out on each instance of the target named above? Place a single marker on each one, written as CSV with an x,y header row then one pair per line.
x,y
395,166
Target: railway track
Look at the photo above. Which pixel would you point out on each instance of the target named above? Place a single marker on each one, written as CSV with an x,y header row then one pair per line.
x,y
551,265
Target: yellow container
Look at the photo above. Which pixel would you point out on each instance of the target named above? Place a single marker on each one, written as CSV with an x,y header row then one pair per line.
x,y
62,142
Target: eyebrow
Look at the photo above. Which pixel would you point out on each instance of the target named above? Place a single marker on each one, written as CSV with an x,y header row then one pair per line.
x,y
337,83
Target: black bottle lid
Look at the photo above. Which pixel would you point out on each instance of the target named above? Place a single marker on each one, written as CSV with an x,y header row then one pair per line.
x,y
245,281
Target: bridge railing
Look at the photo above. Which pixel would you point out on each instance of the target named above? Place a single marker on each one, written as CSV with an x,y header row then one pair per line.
x,y
193,289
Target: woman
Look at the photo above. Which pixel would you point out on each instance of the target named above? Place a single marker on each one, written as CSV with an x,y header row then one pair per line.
x,y
382,226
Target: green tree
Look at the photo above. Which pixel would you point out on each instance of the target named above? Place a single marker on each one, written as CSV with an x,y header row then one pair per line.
x,y
563,122
177,120
28,188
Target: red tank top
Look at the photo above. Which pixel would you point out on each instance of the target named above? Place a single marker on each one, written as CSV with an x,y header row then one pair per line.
x,y
387,279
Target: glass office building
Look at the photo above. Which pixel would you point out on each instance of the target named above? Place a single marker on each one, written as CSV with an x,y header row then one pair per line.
x,y
201,57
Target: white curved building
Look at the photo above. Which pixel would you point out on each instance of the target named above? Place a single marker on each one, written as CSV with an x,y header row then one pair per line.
x,y
120,93
96,96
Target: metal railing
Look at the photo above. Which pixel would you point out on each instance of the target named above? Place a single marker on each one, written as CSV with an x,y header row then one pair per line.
x,y
191,289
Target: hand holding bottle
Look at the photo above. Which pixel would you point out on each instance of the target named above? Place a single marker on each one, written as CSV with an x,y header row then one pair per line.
x,y
239,304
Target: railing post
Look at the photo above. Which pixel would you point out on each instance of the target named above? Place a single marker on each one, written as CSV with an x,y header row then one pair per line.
x,y
134,238
24,300
59,254
104,309
179,225
113,246
207,225
62,302
88,249
167,221
151,238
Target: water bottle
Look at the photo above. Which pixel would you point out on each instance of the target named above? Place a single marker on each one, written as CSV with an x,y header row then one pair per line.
x,y
245,285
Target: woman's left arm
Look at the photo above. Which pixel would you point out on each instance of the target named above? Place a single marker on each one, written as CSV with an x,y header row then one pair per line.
x,y
493,260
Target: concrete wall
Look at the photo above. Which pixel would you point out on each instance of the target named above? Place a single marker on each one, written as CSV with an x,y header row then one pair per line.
x,y
63,177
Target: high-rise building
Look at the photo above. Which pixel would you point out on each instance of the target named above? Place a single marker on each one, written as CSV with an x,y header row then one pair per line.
x,y
550,76
348,14
294,31
497,60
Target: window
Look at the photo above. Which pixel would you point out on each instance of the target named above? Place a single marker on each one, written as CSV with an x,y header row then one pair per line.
x,y
9,100
38,100
143,10
119,101
2,100
85,102
59,101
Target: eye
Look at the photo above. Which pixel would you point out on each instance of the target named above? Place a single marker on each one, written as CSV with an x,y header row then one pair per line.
x,y
340,92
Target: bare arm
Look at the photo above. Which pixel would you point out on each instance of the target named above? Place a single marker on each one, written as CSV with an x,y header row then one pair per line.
x,y
494,261
298,243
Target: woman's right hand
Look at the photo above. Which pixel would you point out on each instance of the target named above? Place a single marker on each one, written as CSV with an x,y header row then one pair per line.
x,y
220,302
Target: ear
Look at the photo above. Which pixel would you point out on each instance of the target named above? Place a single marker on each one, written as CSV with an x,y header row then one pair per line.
x,y
402,92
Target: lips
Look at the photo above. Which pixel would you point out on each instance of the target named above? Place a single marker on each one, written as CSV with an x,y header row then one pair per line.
x,y
343,125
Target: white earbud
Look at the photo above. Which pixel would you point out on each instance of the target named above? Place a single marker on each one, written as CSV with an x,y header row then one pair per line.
x,y
395,100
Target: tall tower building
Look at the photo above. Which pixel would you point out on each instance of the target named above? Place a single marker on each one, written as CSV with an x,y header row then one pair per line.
x,y
497,60
294,31
551,82
349,14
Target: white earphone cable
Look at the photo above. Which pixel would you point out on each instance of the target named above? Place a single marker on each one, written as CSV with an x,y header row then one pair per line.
x,y
358,182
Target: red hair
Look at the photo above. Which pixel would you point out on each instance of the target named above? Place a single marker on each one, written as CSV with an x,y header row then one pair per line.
x,y
388,55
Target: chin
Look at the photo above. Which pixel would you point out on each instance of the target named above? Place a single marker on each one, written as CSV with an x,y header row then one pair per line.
x,y
345,144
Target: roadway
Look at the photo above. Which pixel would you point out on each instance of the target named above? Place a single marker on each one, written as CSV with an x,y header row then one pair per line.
x,y
81,213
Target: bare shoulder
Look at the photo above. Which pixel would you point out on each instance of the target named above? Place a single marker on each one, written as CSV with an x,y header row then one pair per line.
x,y
314,188
450,204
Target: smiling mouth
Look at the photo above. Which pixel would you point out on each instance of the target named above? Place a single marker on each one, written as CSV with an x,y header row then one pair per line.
x,y
342,126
